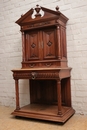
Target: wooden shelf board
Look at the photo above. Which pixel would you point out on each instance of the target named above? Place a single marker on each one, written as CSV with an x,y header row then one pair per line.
x,y
43,109
44,112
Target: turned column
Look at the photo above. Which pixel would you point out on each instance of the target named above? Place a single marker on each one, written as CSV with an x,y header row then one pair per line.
x,y
59,97
17,94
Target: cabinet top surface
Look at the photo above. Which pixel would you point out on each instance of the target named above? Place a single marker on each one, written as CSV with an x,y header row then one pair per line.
x,y
38,69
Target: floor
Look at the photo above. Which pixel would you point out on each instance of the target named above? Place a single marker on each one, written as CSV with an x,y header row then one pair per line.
x,y
8,122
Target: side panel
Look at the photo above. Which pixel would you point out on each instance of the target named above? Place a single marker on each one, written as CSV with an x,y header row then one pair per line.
x,y
43,91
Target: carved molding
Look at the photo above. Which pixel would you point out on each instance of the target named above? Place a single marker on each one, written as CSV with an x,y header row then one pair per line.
x,y
38,75
36,25
49,54
48,75
33,55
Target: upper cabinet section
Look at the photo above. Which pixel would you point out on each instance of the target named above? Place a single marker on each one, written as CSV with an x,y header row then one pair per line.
x,y
43,38
41,17
41,44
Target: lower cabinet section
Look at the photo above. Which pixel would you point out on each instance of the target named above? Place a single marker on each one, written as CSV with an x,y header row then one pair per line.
x,y
50,94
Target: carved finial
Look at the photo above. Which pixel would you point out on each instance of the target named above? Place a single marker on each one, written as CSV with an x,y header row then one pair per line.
x,y
21,15
57,8
37,6
37,10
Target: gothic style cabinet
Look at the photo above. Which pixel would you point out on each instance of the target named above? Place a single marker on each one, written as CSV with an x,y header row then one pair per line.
x,y
44,63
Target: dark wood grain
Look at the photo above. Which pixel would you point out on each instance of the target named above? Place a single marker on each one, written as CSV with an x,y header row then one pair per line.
x,y
44,64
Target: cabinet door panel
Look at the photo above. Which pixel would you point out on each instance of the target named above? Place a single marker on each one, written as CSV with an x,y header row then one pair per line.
x,y
32,45
49,43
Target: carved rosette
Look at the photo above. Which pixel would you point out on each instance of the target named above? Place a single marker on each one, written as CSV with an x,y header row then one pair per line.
x,y
36,75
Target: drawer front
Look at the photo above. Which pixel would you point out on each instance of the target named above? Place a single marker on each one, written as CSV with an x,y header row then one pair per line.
x,y
35,75
40,64
49,64
30,65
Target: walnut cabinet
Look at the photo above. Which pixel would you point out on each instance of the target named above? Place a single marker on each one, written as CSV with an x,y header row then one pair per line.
x,y
44,63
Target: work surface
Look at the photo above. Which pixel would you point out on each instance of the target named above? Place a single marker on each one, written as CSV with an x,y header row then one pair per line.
x,y
8,122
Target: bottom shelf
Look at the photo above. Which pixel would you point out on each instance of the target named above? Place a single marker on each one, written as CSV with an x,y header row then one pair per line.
x,y
45,112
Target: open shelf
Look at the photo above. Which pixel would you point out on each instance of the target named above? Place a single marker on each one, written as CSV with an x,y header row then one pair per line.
x,y
44,112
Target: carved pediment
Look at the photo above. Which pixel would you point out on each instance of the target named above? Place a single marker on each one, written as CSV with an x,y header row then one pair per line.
x,y
40,14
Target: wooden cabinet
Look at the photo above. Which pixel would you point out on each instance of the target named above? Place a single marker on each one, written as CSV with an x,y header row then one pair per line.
x,y
44,63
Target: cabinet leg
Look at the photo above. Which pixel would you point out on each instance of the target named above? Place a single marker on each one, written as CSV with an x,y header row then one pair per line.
x,y
68,90
17,94
59,97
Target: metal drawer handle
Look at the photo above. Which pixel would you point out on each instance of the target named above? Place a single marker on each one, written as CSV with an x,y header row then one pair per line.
x,y
33,74
32,65
48,64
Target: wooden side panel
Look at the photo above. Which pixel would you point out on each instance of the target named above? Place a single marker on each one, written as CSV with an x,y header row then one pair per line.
x,y
49,43
66,92
43,91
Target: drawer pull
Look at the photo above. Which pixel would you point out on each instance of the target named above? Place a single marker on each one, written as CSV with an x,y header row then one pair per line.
x,y
32,65
33,74
48,64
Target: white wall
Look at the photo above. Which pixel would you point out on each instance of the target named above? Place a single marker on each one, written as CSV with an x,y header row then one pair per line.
x,y
11,55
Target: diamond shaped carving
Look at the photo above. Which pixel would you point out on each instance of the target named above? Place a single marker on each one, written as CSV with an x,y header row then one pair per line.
x,y
33,45
49,43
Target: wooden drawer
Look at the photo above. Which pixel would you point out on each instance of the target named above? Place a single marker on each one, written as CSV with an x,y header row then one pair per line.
x,y
30,65
49,64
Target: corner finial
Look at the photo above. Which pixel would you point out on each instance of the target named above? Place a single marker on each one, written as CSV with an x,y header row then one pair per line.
x,y
57,8
21,15
37,5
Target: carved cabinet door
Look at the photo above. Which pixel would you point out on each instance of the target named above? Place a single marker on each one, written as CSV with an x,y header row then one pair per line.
x,y
49,43
41,44
32,45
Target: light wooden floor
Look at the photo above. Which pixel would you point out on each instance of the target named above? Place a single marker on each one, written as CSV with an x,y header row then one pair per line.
x,y
8,122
